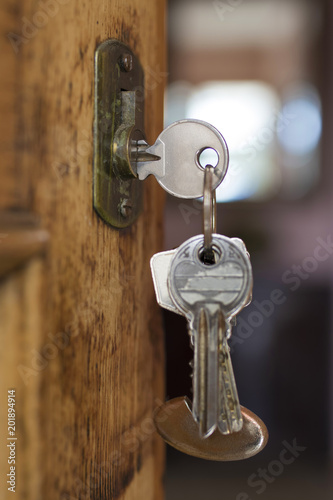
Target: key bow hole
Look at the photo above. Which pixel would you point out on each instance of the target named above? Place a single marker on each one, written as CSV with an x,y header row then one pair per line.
x,y
208,156
209,256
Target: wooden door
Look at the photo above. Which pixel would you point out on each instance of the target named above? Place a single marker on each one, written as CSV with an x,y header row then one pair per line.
x,y
81,338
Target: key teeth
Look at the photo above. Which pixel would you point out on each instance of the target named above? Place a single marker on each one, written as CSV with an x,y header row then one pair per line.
x,y
191,364
226,427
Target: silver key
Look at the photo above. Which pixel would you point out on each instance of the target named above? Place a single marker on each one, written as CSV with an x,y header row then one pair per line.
x,y
209,296
159,265
178,148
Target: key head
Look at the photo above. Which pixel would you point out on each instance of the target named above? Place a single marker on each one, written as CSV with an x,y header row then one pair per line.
x,y
159,265
227,283
179,146
175,423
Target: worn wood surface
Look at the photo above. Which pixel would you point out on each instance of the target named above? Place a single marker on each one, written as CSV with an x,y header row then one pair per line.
x,y
82,319
21,327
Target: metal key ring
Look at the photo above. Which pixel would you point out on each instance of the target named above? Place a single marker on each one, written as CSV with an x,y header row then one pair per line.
x,y
209,208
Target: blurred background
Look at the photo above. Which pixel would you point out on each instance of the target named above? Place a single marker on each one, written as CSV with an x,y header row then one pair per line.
x,y
261,72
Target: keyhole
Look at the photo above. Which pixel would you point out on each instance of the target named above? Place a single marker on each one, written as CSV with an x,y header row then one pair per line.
x,y
208,156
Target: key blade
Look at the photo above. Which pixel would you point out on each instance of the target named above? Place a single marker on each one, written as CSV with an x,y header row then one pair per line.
x,y
200,400
205,374
155,167
159,265
230,416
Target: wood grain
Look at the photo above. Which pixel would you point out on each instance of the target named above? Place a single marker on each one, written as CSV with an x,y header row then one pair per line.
x,y
21,330
99,328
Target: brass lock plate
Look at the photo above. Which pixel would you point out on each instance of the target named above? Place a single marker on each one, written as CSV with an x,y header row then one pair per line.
x,y
119,106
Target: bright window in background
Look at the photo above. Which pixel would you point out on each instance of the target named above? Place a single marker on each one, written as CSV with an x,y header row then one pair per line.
x,y
266,137
299,143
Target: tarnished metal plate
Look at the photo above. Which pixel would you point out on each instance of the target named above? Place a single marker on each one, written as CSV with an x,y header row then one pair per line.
x,y
119,104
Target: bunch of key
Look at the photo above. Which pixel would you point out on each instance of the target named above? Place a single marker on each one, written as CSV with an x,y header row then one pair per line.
x,y
208,279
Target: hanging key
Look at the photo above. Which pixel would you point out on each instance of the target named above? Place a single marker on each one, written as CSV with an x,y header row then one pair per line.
x,y
226,430
230,418
174,419
209,295
159,265
174,159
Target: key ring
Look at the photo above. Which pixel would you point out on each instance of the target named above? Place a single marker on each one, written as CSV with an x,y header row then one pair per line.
x,y
209,211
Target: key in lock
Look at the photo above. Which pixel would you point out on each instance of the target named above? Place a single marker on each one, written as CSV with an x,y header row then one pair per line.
x,y
122,156
174,159
178,149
